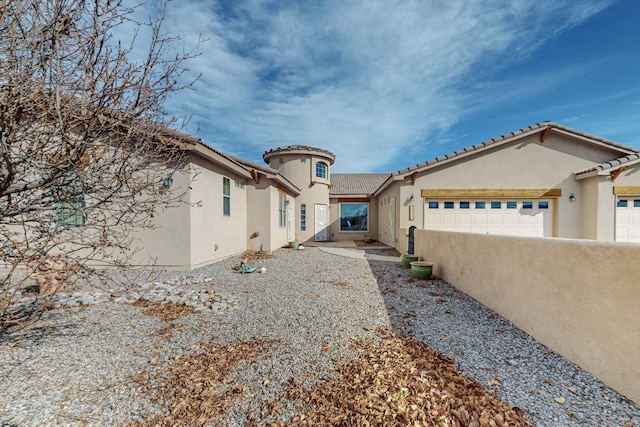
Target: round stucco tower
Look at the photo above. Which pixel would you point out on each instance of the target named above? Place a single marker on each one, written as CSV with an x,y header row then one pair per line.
x,y
308,168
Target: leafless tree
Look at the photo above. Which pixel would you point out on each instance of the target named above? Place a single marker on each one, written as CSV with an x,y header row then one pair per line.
x,y
85,145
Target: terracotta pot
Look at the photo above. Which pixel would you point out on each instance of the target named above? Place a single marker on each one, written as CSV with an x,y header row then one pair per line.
x,y
421,269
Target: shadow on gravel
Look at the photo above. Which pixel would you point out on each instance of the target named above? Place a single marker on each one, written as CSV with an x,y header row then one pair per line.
x,y
492,350
36,335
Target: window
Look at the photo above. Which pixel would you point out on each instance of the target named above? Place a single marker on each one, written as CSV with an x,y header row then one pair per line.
x,y
71,213
281,160
636,203
480,205
303,217
543,205
303,160
239,184
226,196
512,205
527,205
622,203
433,205
282,210
448,205
321,170
496,205
354,216
464,205
69,208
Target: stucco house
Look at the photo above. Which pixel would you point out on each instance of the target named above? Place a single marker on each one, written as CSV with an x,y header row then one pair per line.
x,y
546,180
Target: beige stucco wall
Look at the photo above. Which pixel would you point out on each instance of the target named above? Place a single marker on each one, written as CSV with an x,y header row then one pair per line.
x,y
313,190
525,164
578,297
278,236
213,235
168,244
259,216
384,207
599,202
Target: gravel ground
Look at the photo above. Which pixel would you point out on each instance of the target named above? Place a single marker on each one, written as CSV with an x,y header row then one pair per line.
x,y
94,365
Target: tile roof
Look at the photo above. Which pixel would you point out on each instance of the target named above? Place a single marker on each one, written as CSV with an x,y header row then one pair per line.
x,y
612,164
504,138
270,172
356,184
272,151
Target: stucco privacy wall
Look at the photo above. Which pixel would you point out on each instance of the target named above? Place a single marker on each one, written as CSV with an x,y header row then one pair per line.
x,y
577,297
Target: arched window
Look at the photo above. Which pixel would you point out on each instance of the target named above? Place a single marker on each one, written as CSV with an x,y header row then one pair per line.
x,y
321,170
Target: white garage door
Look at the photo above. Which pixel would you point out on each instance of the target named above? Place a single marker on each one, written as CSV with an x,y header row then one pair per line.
x,y
511,217
628,219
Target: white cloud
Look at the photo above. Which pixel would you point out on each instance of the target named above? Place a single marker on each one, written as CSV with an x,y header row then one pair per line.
x,y
367,80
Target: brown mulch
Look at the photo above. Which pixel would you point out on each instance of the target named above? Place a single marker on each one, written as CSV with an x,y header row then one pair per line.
x,y
195,389
382,252
400,382
393,381
168,311
251,255
365,243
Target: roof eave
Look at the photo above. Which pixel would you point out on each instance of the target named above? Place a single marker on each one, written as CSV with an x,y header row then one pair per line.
x,y
208,153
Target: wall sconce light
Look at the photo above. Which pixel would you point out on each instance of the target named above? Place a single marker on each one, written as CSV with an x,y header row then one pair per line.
x,y
572,197
167,182
411,198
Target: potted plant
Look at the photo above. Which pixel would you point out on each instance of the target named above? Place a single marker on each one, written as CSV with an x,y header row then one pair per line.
x,y
407,259
421,269
294,244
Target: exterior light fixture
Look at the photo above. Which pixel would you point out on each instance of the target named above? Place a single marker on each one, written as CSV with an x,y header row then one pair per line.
x,y
167,182
411,198
572,197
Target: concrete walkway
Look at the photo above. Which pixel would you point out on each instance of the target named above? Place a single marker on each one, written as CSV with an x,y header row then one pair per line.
x,y
351,250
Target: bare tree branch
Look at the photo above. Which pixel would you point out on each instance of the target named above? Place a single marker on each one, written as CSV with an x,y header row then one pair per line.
x,y
85,141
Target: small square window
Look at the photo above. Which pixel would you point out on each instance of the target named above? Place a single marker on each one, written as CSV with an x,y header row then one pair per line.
x,y
303,160
543,205
512,205
480,205
281,160
527,205
496,205
622,203
433,205
636,203
448,205
464,205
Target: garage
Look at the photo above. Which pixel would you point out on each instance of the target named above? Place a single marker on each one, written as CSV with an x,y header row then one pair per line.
x,y
512,217
628,219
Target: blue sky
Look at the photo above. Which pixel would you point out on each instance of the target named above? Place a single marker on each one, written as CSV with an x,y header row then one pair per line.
x,y
388,84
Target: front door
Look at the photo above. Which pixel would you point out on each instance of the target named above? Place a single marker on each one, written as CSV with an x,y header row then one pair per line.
x,y
321,223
